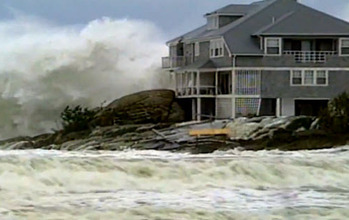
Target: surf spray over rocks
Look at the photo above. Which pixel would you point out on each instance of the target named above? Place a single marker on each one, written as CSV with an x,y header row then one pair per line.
x,y
44,68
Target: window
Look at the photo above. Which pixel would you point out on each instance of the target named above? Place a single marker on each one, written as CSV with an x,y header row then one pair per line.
x,y
309,77
344,46
296,77
216,48
273,46
321,77
197,49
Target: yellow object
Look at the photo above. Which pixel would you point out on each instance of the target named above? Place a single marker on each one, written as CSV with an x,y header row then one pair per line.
x,y
209,132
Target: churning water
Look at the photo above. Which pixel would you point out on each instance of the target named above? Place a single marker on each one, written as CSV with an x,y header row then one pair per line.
x,y
134,185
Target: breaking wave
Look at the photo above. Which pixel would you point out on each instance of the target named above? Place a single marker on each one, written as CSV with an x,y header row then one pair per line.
x,y
161,185
43,68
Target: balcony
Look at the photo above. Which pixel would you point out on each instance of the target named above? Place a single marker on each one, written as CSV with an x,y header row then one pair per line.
x,y
203,90
310,56
173,62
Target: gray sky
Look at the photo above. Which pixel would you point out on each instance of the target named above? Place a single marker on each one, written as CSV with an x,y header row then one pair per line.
x,y
173,17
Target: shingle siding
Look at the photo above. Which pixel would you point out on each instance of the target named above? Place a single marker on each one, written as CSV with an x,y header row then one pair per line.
x,y
276,84
289,61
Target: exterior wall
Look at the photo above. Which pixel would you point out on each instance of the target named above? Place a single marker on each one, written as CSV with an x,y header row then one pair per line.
x,y
204,51
189,53
276,84
225,61
287,107
288,61
224,20
173,51
224,108
207,79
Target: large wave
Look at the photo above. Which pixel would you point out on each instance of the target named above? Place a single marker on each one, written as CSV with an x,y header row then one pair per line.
x,y
43,68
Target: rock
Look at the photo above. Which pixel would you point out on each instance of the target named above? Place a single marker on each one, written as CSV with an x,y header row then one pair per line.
x,y
176,114
275,122
311,133
62,137
153,106
315,124
299,122
21,145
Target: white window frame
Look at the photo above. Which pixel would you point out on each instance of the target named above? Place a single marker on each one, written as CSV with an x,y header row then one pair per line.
x,y
304,73
292,74
314,80
197,49
217,44
340,46
266,45
326,77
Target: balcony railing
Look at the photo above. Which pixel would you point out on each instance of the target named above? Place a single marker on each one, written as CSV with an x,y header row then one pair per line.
x,y
203,90
173,62
310,56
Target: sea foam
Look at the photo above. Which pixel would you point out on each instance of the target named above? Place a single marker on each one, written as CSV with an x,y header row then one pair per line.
x,y
45,67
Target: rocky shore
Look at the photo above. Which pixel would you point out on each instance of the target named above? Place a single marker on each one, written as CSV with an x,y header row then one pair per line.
x,y
153,120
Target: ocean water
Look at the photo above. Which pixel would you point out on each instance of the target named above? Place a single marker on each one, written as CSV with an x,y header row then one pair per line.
x,y
143,185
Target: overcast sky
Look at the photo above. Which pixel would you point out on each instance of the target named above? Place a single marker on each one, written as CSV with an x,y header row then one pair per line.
x,y
173,17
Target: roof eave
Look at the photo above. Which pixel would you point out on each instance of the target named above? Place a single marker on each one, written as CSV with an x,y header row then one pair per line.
x,y
301,34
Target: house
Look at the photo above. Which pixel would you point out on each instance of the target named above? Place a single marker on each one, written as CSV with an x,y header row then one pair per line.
x,y
271,57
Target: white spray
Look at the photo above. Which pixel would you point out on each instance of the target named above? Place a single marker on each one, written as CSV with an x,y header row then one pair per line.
x,y
43,68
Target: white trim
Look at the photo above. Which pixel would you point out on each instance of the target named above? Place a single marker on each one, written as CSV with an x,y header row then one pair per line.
x,y
311,99
267,69
266,45
197,49
340,47
315,72
286,68
278,107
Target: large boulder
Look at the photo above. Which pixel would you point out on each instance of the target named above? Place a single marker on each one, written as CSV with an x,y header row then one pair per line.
x,y
152,106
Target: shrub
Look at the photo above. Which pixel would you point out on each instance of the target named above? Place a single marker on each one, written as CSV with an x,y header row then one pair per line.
x,y
335,118
77,118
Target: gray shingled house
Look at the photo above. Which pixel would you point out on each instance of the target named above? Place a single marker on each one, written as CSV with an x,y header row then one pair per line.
x,y
272,57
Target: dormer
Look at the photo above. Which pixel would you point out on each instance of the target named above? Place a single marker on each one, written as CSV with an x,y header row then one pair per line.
x,y
227,15
218,21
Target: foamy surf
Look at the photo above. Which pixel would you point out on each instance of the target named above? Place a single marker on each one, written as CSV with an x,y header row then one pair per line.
x,y
236,184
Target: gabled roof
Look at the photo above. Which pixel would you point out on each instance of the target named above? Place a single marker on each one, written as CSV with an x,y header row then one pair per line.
x,y
306,21
269,18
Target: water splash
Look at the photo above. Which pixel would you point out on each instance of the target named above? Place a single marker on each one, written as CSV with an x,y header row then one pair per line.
x,y
43,68
163,185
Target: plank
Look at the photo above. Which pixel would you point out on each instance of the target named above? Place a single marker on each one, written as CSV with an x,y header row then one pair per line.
x,y
209,132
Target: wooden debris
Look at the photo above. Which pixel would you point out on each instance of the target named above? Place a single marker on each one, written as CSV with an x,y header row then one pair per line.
x,y
209,132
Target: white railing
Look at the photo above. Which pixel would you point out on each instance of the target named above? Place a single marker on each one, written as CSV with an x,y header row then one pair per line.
x,y
173,62
248,82
203,90
310,56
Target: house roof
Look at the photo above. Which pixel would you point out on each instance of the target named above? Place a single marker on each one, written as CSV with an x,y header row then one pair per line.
x,y
203,32
309,22
268,18
200,64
